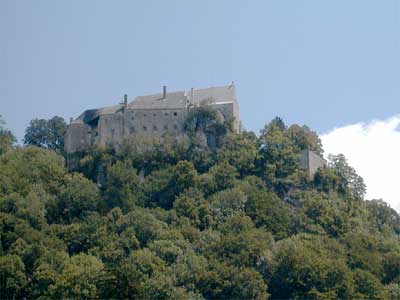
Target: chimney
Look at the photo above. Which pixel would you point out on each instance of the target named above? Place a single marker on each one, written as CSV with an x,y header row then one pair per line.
x,y
125,100
164,91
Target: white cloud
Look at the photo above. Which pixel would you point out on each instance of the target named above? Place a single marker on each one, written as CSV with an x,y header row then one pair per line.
x,y
373,150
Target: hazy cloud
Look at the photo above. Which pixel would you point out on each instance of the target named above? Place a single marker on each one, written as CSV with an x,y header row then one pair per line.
x,y
373,149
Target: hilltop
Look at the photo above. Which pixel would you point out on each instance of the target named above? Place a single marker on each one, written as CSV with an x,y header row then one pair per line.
x,y
183,219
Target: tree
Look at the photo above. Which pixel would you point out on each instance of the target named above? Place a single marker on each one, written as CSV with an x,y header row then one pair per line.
x,y
350,180
7,139
23,168
311,267
223,281
77,198
305,139
221,176
239,150
13,280
266,209
367,286
279,159
81,278
46,133
122,187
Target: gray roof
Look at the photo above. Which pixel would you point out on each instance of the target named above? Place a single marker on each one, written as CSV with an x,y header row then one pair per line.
x,y
181,98
174,100
91,114
156,101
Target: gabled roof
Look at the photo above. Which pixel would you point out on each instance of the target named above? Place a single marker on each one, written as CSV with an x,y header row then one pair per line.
x,y
181,99
156,101
174,100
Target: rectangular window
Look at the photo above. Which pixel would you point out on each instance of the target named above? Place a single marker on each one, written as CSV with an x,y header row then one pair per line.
x,y
175,113
165,127
144,128
155,128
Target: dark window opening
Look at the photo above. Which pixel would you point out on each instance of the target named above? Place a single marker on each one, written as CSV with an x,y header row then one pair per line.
x,y
155,128
144,128
175,113
165,127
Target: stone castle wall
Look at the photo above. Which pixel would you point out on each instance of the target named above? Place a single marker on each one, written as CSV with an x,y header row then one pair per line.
x,y
112,129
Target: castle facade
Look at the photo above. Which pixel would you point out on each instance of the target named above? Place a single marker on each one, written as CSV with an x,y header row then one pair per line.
x,y
155,114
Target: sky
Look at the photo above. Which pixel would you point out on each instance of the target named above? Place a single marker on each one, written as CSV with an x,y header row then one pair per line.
x,y
327,64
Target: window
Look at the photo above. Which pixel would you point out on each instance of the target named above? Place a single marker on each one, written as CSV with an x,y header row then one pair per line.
x,y
154,115
144,128
175,126
155,128
144,115
175,113
132,129
165,127
166,114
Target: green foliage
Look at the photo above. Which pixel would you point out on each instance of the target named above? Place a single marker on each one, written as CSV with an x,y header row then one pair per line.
x,y
349,179
13,280
239,150
311,267
81,277
7,139
122,187
305,139
46,133
215,216
77,198
24,168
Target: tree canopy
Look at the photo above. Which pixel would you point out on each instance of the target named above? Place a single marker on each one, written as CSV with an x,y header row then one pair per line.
x,y
177,219
46,133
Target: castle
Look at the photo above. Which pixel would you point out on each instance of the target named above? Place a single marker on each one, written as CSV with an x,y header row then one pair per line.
x,y
158,114
155,114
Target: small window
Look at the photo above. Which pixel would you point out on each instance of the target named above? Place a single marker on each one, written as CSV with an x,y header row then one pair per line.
x,y
155,128
132,129
175,126
165,127
166,114
112,131
175,113
154,115
144,128
144,115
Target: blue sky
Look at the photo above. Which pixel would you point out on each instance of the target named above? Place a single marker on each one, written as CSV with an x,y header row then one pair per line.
x,y
322,63
333,65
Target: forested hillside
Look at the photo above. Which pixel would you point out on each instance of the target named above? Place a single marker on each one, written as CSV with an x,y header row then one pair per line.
x,y
182,220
